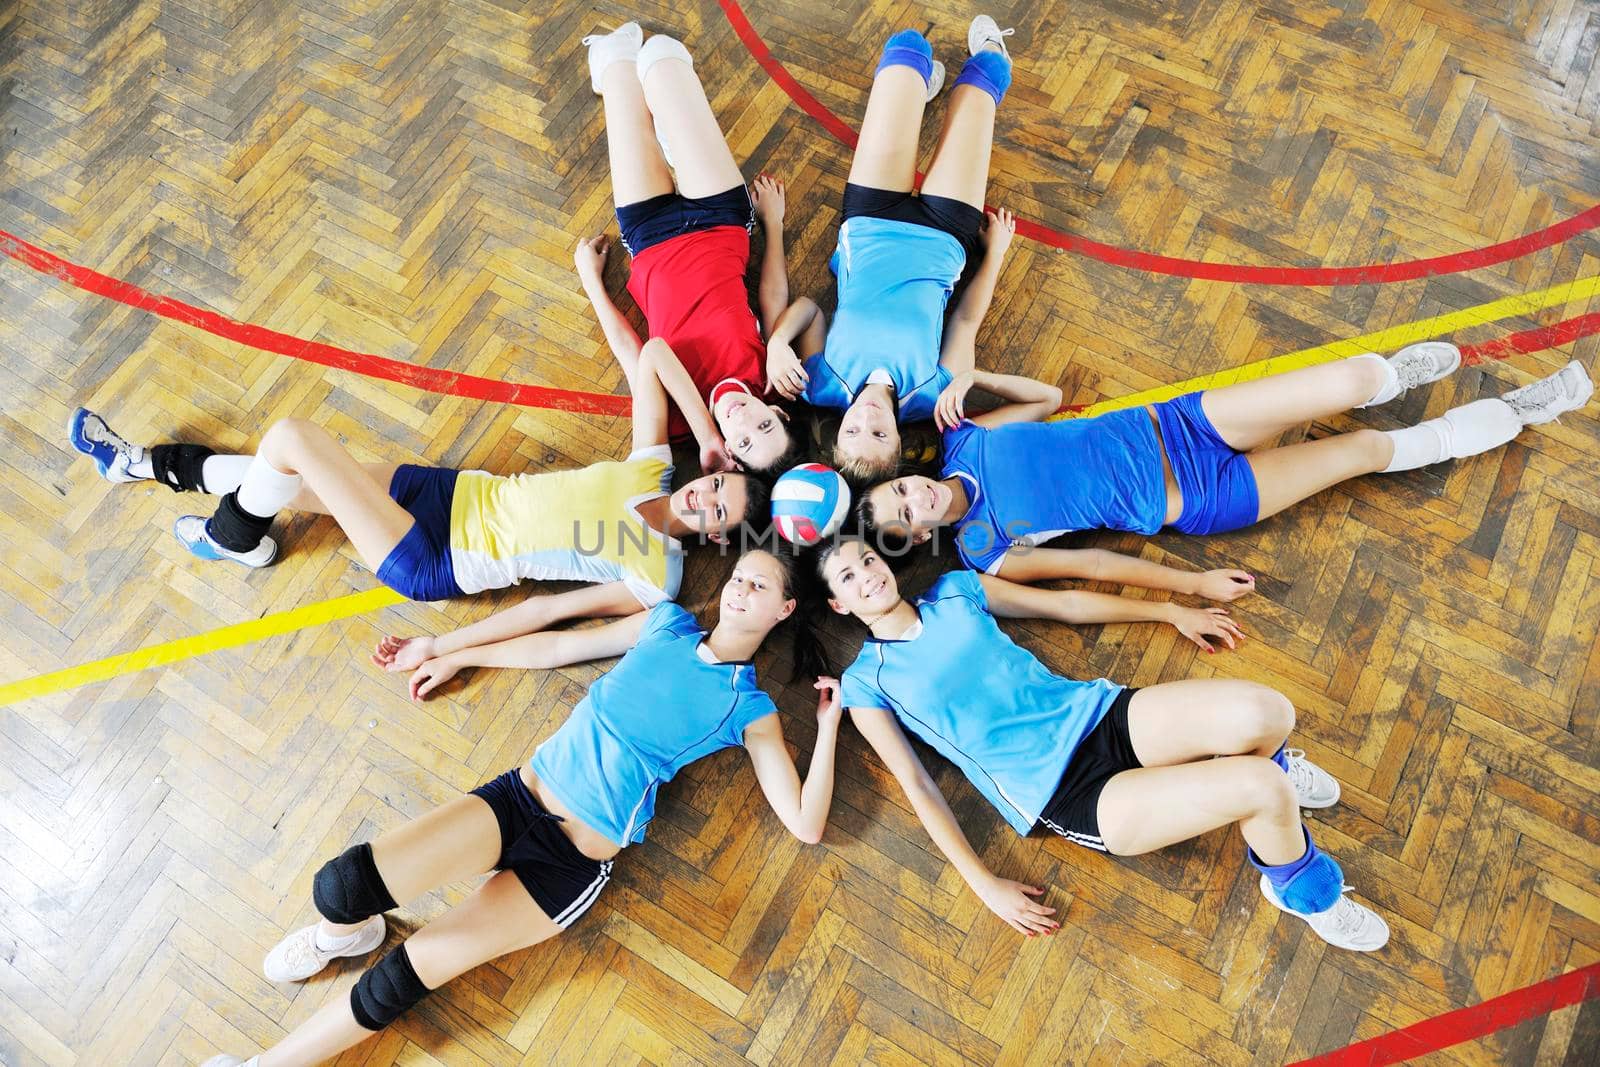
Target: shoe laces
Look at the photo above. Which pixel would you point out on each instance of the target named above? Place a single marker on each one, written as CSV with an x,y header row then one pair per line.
x,y
999,36
1413,372
1299,770
1348,916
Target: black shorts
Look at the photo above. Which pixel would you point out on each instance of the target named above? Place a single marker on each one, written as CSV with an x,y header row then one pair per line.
x,y
954,217
1074,809
559,878
661,218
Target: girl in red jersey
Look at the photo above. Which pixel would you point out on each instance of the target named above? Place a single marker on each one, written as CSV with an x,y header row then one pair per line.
x,y
689,238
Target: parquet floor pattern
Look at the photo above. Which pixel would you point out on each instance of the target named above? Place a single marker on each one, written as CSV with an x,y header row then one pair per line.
x,y
408,179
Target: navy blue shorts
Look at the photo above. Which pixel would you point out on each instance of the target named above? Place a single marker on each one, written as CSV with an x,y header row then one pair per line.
x,y
661,218
1073,811
957,218
419,567
1218,486
560,879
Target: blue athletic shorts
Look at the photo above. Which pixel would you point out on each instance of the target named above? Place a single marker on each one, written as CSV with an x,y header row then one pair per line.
x,y
661,218
419,567
1218,486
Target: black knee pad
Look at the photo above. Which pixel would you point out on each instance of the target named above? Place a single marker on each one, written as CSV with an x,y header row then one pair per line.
x,y
388,988
235,528
179,466
349,888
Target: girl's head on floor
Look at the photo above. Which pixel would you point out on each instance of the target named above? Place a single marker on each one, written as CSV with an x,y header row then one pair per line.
x,y
756,432
867,448
858,578
907,508
715,505
760,592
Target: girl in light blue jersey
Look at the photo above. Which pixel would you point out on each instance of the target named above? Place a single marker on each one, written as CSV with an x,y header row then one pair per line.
x,y
888,353
1200,463
1110,768
551,828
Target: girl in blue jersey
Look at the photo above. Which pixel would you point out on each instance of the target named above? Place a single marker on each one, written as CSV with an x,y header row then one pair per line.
x,y
888,354
551,828
1111,768
1195,464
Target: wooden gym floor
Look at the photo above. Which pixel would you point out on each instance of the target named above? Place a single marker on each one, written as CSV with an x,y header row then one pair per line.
x,y
407,180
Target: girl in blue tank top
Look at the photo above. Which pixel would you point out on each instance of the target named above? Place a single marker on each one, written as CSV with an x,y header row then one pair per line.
x,y
1195,464
1113,769
551,827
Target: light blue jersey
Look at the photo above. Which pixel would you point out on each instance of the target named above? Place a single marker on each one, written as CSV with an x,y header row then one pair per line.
x,y
894,281
657,711
985,703
1031,481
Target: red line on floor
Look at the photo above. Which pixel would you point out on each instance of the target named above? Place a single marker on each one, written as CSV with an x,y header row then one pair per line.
x,y
431,379
1407,270
1466,1024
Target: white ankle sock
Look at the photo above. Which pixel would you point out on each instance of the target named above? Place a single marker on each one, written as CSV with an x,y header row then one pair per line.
x,y
223,474
332,944
1391,381
265,490
142,467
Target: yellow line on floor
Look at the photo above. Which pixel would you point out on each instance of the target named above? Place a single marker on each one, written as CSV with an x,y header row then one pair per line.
x,y
374,599
1381,341
188,647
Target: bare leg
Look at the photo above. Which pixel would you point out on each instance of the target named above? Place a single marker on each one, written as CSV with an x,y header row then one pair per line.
x,y
638,170
1288,475
1251,413
1179,722
373,522
1153,807
380,473
499,918
960,167
886,151
678,101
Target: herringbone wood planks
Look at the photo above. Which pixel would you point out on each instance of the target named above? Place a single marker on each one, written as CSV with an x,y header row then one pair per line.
x,y
408,179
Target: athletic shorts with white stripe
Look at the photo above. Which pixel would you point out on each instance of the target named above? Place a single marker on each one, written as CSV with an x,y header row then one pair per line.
x,y
1074,810
562,881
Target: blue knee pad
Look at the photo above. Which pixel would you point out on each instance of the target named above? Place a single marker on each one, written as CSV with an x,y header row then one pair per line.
x,y
348,889
388,988
1308,885
989,71
908,48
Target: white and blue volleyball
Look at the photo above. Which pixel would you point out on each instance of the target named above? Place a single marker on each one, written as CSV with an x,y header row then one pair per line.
x,y
809,503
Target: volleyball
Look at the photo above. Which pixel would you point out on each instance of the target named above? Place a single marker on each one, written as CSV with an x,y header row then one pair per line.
x,y
809,503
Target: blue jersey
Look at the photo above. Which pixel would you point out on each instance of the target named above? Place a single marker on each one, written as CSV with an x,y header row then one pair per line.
x,y
985,703
658,710
894,281
1031,481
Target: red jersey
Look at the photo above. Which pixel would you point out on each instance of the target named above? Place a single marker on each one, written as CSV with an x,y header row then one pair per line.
x,y
692,292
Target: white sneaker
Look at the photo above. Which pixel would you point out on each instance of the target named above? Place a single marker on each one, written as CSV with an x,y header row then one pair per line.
x,y
1424,362
1568,389
618,46
191,531
985,31
1346,925
935,80
1313,786
298,956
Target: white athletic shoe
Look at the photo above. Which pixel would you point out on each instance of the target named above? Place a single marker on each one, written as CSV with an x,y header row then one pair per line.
x,y
112,455
618,46
191,531
227,1060
1345,925
935,80
985,31
1568,389
1424,362
298,957
1313,786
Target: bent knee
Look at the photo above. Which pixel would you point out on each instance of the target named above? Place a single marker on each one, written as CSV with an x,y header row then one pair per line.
x,y
1268,715
290,435
1265,789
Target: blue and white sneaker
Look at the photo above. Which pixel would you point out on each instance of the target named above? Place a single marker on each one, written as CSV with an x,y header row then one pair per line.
x,y
1346,925
191,530
113,457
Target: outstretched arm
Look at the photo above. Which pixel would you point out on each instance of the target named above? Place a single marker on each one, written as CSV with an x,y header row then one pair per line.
x,y
803,807
801,323
1007,899
1008,600
772,291
959,352
590,259
549,648
1028,400
1024,563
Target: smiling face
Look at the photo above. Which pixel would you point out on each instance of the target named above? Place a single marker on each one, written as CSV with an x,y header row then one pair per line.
x,y
869,438
912,506
753,429
711,505
755,596
859,582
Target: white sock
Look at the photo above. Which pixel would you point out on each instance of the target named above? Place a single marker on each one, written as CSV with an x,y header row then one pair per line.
x,y
264,491
1418,446
333,944
1391,381
142,467
1468,430
223,474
